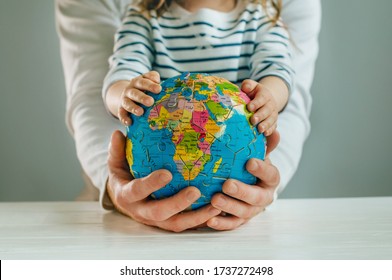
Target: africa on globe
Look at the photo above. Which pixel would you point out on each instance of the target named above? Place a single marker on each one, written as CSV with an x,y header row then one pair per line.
x,y
199,130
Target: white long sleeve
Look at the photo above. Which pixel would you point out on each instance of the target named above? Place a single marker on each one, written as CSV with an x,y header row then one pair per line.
x,y
303,18
86,30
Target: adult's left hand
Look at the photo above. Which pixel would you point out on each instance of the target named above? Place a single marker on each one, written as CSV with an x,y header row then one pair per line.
x,y
240,201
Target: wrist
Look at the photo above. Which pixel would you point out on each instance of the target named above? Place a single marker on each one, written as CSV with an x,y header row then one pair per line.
x,y
278,89
113,96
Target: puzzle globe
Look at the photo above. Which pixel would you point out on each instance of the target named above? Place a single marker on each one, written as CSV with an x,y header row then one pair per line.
x,y
199,130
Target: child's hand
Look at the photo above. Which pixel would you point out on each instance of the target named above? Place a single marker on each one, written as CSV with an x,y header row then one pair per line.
x,y
133,95
263,105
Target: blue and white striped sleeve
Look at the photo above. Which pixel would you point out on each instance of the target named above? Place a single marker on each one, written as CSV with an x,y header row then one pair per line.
x,y
272,55
133,50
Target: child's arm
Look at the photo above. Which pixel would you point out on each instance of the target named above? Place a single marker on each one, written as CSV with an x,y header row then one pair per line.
x,y
133,55
269,97
123,96
271,66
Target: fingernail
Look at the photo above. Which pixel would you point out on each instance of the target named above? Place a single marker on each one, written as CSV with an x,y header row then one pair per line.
x,y
220,202
164,177
251,107
213,222
252,165
255,120
232,188
246,86
191,196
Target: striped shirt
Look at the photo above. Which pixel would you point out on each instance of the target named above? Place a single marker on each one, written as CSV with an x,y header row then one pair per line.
x,y
238,45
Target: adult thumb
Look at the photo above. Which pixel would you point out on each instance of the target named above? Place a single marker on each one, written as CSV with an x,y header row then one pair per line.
x,y
117,148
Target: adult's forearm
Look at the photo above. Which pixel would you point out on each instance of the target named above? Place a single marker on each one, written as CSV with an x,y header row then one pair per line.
x,y
86,32
303,18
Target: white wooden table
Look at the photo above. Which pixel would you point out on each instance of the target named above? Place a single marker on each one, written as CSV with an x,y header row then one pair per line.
x,y
345,228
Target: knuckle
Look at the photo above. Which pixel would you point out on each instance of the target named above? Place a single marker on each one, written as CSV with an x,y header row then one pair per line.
x,y
144,83
266,112
247,215
157,214
126,103
258,200
177,206
134,81
241,194
153,73
260,127
137,82
133,94
120,199
259,88
274,179
247,81
270,198
138,216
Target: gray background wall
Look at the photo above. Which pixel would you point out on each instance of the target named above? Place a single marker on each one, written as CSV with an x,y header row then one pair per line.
x,y
348,153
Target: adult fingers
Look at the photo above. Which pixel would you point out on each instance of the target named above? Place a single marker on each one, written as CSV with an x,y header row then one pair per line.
x,y
249,194
267,173
160,210
142,83
117,162
140,189
189,220
225,222
234,207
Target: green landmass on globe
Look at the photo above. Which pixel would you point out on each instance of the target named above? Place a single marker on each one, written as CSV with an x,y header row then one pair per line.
x,y
199,130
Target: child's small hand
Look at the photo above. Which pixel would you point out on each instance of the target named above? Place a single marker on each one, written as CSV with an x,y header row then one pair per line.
x,y
263,105
133,95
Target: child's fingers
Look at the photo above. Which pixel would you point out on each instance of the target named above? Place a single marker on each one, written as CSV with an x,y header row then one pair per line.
x,y
250,87
262,113
153,76
124,117
258,101
131,107
267,123
138,96
146,84
270,130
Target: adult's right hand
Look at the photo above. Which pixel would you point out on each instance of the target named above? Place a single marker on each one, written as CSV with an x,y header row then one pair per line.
x,y
131,196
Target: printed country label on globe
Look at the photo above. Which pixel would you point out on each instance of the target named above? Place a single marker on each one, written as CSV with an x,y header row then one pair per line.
x,y
199,130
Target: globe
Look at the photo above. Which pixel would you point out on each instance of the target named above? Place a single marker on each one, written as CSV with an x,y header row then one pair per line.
x,y
198,129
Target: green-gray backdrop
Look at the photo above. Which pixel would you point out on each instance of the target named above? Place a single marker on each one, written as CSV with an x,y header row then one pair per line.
x,y
347,154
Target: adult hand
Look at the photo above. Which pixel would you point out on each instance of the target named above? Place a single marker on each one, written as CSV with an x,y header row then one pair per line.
x,y
242,201
131,196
